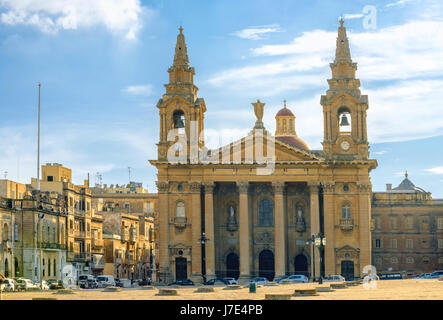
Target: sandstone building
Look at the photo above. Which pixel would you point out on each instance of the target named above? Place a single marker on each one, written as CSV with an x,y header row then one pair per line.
x,y
256,219
407,234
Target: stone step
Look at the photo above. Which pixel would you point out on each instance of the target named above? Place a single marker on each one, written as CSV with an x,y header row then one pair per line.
x,y
233,287
277,296
304,292
324,289
167,292
338,286
204,290
112,289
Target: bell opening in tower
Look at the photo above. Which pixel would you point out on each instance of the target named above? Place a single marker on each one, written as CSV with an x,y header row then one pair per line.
x,y
344,118
179,121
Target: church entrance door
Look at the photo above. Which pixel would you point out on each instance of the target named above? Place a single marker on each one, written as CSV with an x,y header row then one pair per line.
x,y
181,269
232,266
301,265
347,269
266,265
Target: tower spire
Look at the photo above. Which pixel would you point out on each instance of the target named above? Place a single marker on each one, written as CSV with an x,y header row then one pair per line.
x,y
343,52
181,51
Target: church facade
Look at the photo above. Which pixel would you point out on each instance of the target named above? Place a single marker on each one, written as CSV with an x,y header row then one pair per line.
x,y
251,208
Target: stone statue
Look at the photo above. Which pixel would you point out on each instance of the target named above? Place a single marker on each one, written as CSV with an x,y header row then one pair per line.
x,y
259,111
232,221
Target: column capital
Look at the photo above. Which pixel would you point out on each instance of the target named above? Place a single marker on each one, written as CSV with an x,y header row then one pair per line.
x,y
209,186
162,186
278,186
313,186
195,186
364,186
328,186
243,186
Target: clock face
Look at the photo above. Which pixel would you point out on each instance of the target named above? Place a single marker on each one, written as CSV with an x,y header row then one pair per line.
x,y
345,145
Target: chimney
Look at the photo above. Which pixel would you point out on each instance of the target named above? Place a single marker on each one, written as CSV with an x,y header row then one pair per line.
x,y
389,187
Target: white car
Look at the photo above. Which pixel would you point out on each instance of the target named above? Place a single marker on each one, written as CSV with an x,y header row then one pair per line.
x,y
9,285
334,278
259,280
105,281
26,284
298,278
230,280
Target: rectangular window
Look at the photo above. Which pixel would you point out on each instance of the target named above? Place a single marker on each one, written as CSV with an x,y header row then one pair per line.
x,y
393,243
409,243
440,243
440,223
378,243
409,223
16,232
393,223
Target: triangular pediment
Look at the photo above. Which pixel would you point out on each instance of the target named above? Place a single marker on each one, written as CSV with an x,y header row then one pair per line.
x,y
242,150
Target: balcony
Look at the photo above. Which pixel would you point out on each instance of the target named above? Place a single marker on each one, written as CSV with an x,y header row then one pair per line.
x,y
53,246
97,243
79,256
79,234
180,222
346,224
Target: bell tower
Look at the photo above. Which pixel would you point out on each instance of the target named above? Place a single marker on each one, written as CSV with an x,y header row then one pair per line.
x,y
181,111
344,107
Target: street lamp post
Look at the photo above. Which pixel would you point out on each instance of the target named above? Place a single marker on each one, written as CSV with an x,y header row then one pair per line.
x,y
313,256
40,218
203,240
320,243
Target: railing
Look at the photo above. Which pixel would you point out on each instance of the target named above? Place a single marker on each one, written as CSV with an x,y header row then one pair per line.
x,y
346,224
82,256
50,245
79,234
180,222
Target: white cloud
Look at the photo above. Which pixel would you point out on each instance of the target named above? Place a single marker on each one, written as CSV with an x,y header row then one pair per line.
x,y
139,90
119,16
257,33
407,108
398,3
436,170
350,16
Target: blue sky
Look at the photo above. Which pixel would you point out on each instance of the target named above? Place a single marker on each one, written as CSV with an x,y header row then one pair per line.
x,y
103,65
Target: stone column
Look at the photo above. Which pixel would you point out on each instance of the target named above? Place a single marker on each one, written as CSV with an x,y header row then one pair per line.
x,y
329,223
209,230
196,263
364,224
245,271
163,224
315,225
279,230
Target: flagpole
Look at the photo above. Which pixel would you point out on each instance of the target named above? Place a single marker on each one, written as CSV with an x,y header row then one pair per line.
x,y
38,140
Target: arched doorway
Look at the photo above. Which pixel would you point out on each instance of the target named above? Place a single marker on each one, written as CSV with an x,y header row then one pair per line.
x,y
181,269
266,265
347,269
232,266
6,268
301,265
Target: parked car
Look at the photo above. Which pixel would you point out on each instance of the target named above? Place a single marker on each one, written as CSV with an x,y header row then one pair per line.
x,y
229,280
25,284
145,282
391,276
118,283
106,281
182,283
215,281
91,284
9,285
259,280
280,279
424,276
55,284
334,278
437,274
296,278
83,279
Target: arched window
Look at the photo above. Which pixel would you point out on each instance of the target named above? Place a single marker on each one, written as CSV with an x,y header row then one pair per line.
x,y
346,211
394,260
181,209
178,119
266,213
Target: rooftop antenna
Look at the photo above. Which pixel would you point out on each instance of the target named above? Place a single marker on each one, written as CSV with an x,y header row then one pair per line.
x,y
6,174
129,174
